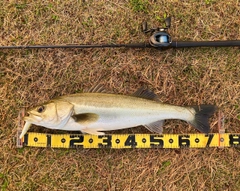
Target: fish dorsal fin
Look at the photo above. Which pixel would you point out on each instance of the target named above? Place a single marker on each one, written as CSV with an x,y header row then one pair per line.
x,y
97,89
155,127
145,93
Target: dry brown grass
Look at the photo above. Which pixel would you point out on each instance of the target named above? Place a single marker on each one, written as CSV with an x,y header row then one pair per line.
x,y
182,77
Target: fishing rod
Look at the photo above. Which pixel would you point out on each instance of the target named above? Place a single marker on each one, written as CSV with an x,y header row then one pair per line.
x,y
160,39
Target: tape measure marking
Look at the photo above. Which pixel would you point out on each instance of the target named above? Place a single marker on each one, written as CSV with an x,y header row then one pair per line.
x,y
116,141
119,141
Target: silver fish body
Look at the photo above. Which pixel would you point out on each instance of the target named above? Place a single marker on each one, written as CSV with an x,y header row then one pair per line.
x,y
96,112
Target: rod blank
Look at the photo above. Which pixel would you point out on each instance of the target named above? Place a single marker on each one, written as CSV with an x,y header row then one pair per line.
x,y
174,44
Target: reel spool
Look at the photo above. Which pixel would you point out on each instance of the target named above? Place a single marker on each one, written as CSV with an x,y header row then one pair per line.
x,y
160,37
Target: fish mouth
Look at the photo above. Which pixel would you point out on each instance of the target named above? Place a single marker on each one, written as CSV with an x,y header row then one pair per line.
x,y
25,129
33,118
29,119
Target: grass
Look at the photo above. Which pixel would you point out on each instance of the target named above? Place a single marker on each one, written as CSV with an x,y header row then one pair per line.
x,y
181,77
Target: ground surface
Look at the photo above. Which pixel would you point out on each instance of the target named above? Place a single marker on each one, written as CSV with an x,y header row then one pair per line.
x,y
181,77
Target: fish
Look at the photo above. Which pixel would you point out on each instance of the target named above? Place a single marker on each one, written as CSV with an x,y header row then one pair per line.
x,y
96,111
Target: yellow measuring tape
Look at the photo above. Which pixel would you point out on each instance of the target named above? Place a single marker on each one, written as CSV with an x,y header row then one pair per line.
x,y
123,141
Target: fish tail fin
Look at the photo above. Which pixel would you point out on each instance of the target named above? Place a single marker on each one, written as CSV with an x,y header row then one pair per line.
x,y
201,118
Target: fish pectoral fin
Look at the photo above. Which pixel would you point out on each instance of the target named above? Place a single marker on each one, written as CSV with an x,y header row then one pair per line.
x,y
85,118
146,94
155,127
92,132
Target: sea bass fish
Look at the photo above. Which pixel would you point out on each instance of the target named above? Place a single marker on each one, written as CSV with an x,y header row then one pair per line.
x,y
96,111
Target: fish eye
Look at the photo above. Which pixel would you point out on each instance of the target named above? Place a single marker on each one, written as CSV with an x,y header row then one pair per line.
x,y
40,109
